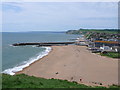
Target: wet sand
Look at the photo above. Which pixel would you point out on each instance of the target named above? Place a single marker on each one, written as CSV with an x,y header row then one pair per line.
x,y
75,63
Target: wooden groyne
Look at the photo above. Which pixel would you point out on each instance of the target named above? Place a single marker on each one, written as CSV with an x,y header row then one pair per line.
x,y
44,43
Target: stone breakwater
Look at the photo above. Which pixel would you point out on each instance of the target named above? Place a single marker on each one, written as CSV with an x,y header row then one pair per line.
x,y
44,43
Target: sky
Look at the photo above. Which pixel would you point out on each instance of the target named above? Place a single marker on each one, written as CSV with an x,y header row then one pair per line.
x,y
58,16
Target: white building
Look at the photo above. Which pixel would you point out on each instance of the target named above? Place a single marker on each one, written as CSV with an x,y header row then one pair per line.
x,y
106,48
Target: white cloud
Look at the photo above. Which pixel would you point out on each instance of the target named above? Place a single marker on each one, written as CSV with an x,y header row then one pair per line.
x,y
52,14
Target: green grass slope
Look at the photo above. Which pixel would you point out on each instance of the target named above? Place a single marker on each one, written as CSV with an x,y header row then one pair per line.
x,y
25,81
111,54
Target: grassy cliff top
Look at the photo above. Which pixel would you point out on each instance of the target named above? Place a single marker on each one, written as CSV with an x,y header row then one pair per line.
x,y
25,81
84,31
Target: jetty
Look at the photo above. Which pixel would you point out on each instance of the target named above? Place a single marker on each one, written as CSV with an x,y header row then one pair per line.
x,y
44,43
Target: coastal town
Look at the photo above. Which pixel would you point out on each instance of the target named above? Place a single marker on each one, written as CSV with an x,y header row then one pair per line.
x,y
104,42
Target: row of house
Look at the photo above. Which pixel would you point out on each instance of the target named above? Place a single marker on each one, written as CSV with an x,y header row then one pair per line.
x,y
103,36
100,41
109,46
104,42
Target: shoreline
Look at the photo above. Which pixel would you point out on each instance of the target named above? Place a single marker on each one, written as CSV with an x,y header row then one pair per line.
x,y
15,69
74,64
19,72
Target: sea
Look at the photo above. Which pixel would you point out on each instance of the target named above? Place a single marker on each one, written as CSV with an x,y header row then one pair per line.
x,y
15,58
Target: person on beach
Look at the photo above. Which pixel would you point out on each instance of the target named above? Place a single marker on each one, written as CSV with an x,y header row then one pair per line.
x,y
80,79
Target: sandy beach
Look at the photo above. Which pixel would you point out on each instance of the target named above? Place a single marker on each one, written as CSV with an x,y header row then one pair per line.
x,y
75,63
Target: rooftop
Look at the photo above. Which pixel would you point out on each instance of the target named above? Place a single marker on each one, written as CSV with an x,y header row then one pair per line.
x,y
109,42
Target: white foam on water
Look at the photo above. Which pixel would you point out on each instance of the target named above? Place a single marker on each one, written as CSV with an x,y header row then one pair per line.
x,y
13,46
11,71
